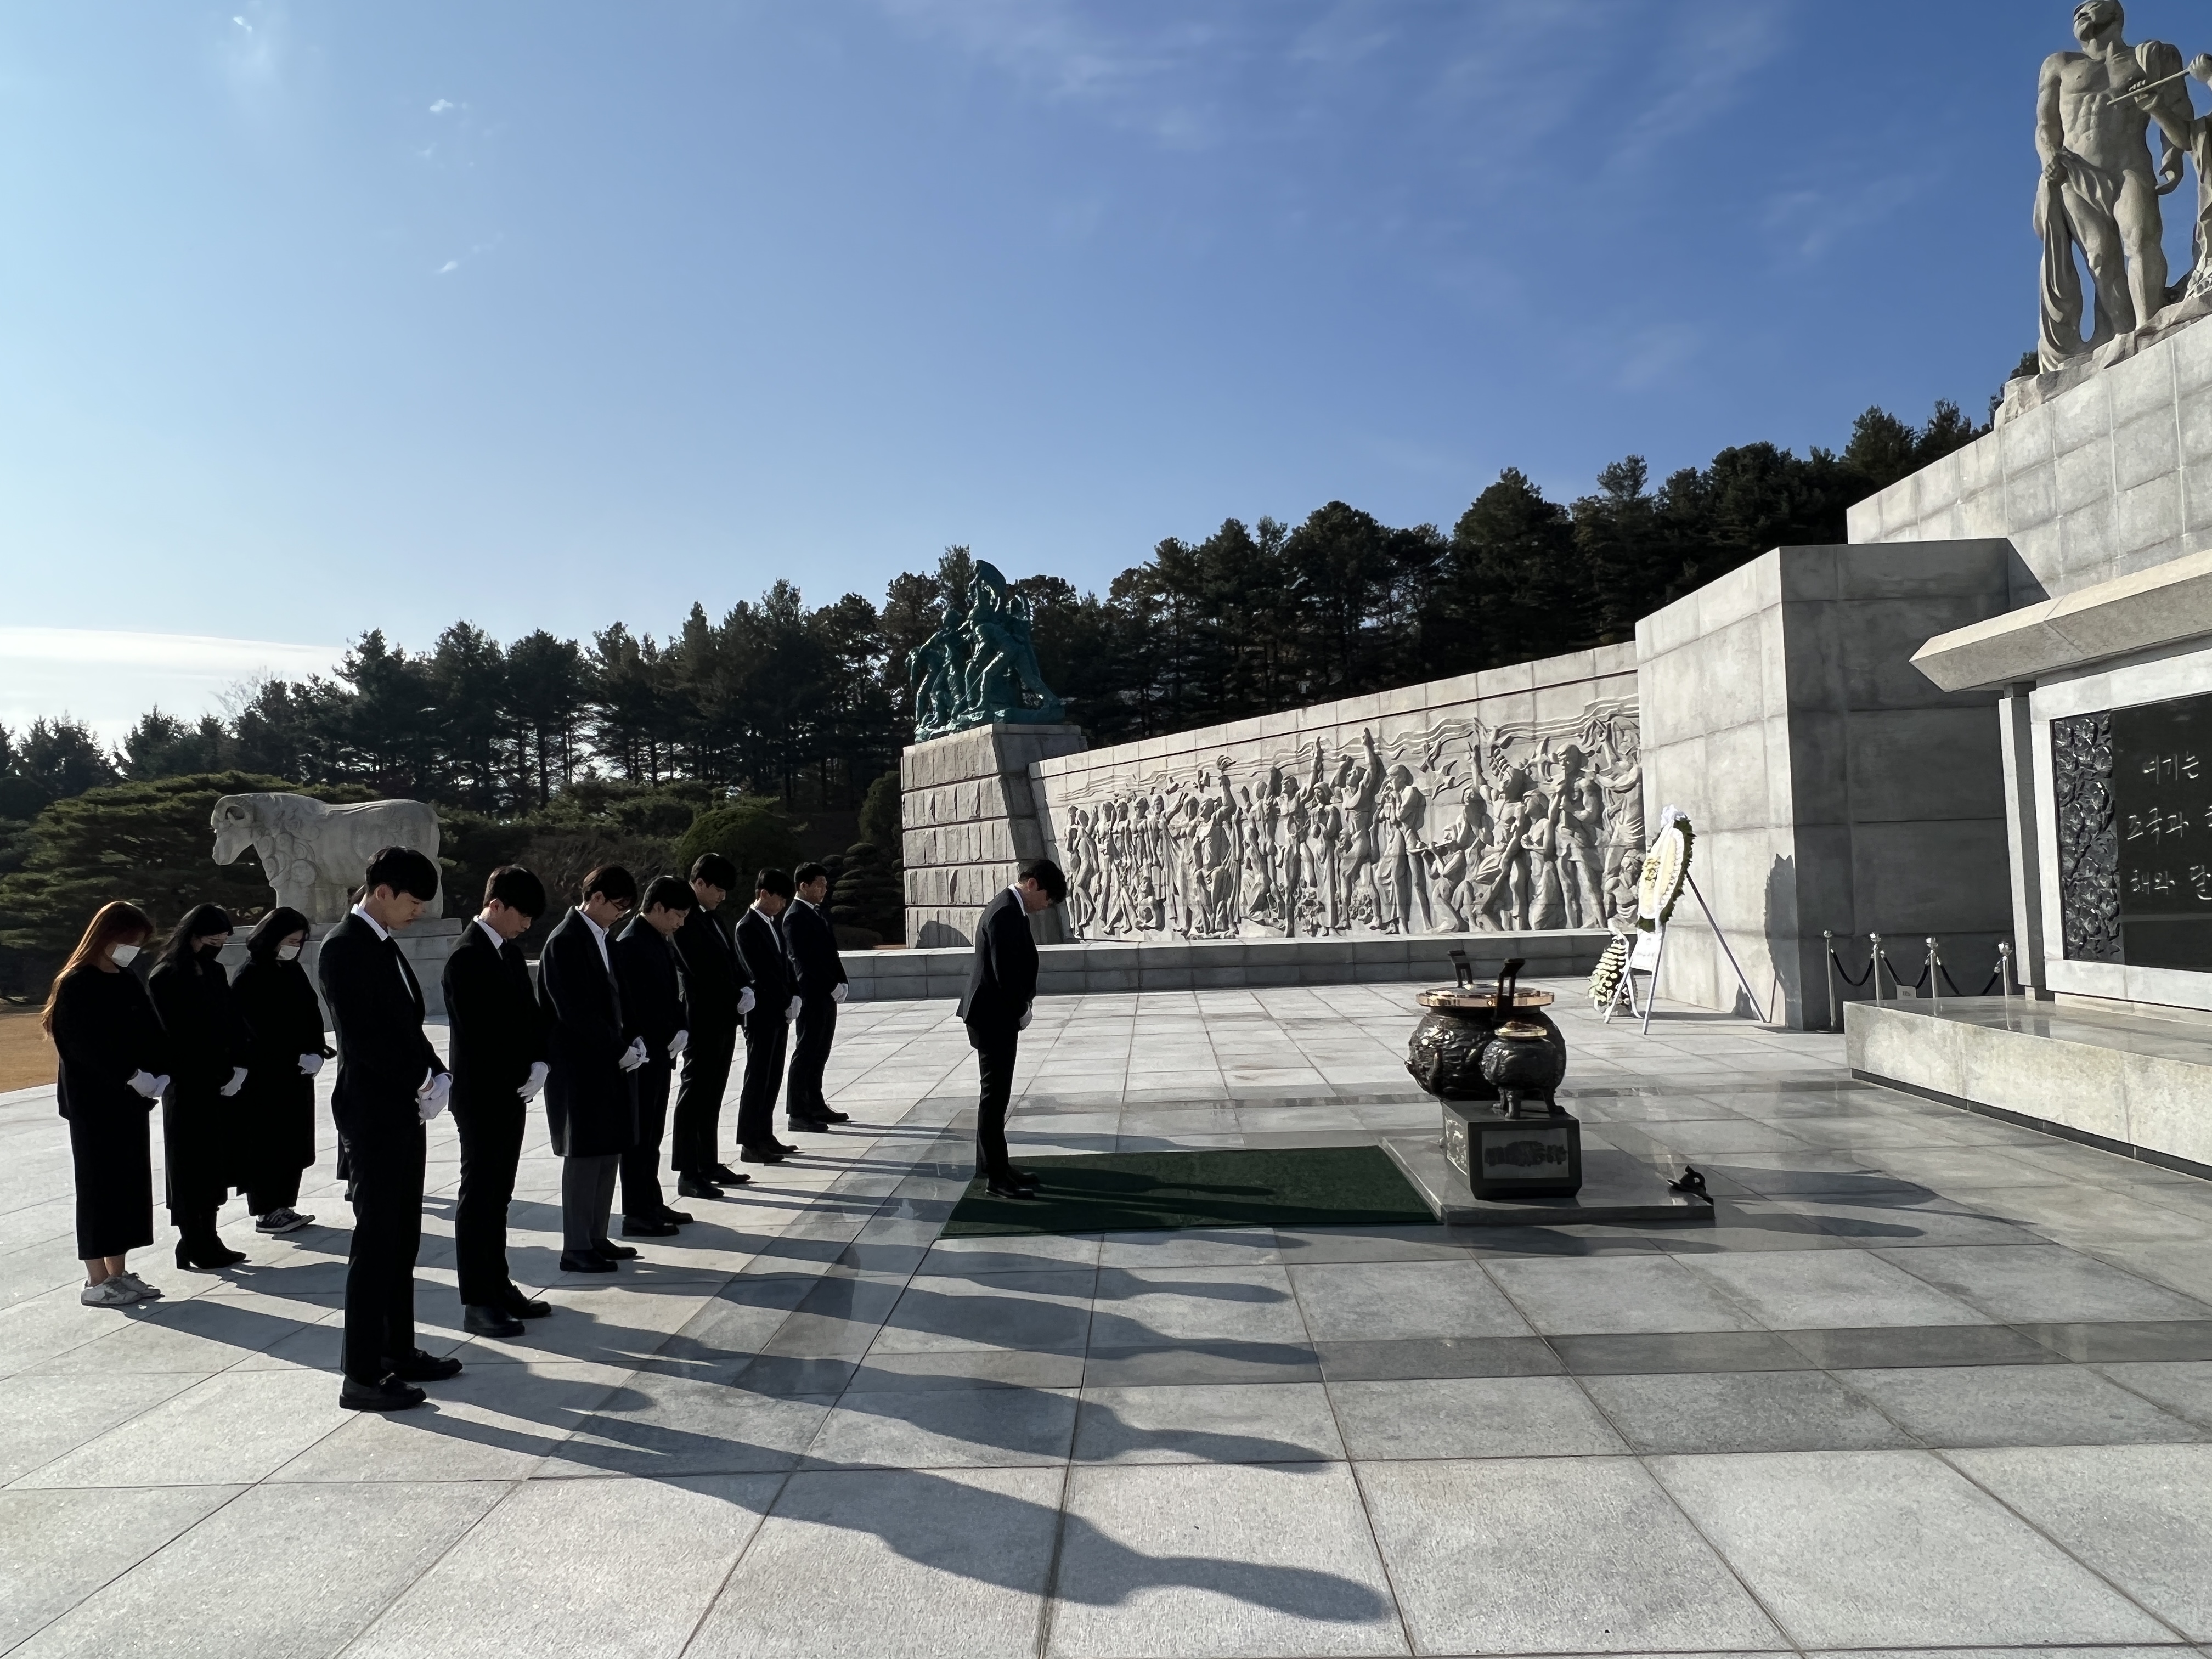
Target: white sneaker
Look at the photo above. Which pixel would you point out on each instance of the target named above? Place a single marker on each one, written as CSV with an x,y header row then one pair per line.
x,y
146,1292
281,1221
110,1292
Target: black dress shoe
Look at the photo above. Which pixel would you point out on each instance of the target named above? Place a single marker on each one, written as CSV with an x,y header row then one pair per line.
x,y
725,1175
614,1252
210,1258
827,1115
692,1186
523,1307
1022,1178
420,1367
644,1227
388,1394
788,1152
586,1264
484,1319
768,1154
675,1217
806,1125
999,1187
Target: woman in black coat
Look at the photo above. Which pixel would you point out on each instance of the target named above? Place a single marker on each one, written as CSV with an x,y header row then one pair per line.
x,y
111,1050
200,1116
277,1116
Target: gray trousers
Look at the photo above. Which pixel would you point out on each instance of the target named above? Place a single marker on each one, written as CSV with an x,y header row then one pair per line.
x,y
587,1199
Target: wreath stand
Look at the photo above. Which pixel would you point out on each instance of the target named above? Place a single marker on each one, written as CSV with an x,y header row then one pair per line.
x,y
1658,954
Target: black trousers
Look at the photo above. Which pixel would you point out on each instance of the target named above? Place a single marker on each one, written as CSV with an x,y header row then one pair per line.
x,y
766,1034
698,1119
387,1231
810,1057
640,1165
276,1190
994,1066
491,1146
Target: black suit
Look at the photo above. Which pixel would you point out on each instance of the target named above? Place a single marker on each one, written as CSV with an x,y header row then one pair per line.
x,y
591,1103
714,976
652,1008
496,1038
376,1011
809,945
760,940
1001,984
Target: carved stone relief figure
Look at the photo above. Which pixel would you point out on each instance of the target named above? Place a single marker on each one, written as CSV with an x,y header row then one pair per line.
x,y
1463,827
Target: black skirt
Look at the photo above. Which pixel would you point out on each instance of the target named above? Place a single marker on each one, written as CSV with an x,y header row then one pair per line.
x,y
110,1148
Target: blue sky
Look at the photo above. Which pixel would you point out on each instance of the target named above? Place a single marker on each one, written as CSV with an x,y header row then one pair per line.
x,y
319,318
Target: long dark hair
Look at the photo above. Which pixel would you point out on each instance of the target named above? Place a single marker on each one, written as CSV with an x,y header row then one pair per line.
x,y
272,930
201,921
117,923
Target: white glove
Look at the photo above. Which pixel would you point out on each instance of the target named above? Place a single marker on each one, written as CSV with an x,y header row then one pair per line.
x,y
746,999
237,1082
431,1098
310,1064
1023,1025
146,1084
677,1043
837,991
634,1056
538,1073
791,1012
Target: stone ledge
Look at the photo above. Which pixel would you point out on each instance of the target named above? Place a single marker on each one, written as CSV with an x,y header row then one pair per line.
x,y
2135,1086
2163,605
1208,965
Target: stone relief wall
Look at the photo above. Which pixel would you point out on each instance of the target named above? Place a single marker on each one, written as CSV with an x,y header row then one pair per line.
x,y
2088,844
1465,822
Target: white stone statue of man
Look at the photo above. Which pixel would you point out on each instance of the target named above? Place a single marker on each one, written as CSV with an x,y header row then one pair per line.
x,y
2099,190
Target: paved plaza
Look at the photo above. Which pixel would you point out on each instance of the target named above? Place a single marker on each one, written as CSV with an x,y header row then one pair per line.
x,y
1927,1382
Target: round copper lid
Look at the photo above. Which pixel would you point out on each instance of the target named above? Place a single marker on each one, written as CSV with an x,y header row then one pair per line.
x,y
1471,997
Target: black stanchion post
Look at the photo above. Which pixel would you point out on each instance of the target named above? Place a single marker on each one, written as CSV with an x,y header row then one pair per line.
x,y
1835,1003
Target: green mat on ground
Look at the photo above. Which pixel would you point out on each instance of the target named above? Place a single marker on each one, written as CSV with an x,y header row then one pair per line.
x,y
1149,1192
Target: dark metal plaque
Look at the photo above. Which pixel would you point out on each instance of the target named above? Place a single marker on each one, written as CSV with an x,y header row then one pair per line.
x,y
2162,818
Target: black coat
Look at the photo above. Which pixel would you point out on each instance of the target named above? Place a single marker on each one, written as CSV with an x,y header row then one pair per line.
x,y
809,945
497,1032
105,1031
1002,975
376,1011
202,1132
591,1103
277,1116
647,976
714,975
760,940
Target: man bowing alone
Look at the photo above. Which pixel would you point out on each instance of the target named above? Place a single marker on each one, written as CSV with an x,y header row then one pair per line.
x,y
1001,984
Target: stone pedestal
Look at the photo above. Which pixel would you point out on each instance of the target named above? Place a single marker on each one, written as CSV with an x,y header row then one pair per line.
x,y
970,815
1501,1157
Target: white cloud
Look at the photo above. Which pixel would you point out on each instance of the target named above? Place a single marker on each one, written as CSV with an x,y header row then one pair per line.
x,y
449,264
243,24
442,106
108,677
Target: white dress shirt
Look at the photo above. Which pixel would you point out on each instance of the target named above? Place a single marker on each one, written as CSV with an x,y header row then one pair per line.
x,y
599,937
491,932
385,933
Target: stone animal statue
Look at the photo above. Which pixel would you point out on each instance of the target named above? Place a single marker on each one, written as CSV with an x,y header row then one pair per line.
x,y
314,852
